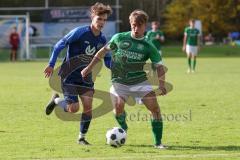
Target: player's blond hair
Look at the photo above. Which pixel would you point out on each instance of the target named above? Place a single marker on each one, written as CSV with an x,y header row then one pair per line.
x,y
99,9
139,16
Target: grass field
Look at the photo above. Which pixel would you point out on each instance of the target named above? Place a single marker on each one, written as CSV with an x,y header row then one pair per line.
x,y
201,115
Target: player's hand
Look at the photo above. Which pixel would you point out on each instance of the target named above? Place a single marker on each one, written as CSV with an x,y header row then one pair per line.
x,y
48,71
157,37
85,72
163,90
183,48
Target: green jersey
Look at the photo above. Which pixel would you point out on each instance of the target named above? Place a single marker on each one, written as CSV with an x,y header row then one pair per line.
x,y
151,37
129,55
192,36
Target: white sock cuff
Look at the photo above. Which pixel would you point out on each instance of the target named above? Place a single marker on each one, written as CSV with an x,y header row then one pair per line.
x,y
81,135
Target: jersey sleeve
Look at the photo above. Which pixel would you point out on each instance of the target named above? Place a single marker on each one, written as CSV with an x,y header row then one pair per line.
x,y
154,56
185,31
147,35
112,44
62,43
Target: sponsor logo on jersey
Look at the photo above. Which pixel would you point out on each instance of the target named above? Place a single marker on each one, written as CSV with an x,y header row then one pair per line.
x,y
131,55
125,44
89,50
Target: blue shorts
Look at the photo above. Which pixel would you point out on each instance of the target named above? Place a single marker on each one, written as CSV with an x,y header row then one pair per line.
x,y
71,98
72,91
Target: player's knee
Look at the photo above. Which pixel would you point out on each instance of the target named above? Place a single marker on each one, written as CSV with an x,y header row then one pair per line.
x,y
119,108
73,108
87,110
155,110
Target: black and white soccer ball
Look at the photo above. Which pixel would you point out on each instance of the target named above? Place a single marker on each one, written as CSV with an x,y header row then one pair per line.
x,y
116,137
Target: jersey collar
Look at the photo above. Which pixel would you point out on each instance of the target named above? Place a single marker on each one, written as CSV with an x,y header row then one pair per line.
x,y
142,38
100,34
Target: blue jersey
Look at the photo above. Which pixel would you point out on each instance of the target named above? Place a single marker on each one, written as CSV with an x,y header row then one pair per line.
x,y
79,42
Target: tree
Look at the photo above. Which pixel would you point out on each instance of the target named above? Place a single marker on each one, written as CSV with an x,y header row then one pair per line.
x,y
218,16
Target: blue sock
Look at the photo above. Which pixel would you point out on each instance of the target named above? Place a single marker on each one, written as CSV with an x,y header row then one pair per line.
x,y
61,103
84,124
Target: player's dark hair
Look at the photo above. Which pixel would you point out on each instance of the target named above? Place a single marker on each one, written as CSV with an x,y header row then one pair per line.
x,y
139,16
155,22
99,9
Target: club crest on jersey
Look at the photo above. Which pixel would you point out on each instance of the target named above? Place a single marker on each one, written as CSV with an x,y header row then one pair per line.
x,y
125,44
89,50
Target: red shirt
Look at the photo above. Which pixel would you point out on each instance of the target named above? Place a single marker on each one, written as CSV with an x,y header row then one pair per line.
x,y
14,39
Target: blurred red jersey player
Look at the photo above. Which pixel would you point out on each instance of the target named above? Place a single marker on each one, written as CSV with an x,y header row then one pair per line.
x,y
14,42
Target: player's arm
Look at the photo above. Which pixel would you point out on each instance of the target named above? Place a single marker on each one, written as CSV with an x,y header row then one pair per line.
x,y
56,50
58,47
99,55
161,78
157,61
199,41
162,38
184,41
111,45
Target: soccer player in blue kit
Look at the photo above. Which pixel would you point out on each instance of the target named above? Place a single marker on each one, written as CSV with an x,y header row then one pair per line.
x,y
82,44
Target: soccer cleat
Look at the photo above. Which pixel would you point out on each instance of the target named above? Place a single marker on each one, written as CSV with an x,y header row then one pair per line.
x,y
189,71
161,146
51,105
83,141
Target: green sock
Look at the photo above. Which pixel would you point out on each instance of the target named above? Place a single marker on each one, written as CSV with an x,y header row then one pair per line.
x,y
189,62
157,129
121,119
194,63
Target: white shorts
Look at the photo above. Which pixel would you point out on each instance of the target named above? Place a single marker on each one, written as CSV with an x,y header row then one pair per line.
x,y
137,91
192,50
160,52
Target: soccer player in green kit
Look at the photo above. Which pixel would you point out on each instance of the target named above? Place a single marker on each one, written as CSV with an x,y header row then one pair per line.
x,y
191,44
130,51
155,36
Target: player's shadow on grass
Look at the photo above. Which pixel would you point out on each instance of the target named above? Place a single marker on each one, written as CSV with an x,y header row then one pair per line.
x,y
207,148
139,145
201,148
